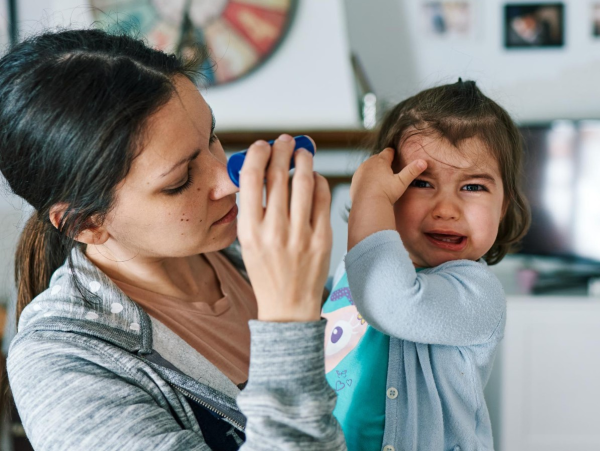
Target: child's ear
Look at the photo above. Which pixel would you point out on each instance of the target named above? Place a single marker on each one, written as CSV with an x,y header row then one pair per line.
x,y
91,234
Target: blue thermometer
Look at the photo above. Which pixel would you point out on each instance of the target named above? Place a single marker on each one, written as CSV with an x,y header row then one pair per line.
x,y
236,161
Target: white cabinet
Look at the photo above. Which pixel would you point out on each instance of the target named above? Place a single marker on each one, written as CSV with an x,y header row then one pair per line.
x,y
544,393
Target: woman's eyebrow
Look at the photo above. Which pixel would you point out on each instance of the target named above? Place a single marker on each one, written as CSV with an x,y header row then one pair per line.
x,y
197,152
180,162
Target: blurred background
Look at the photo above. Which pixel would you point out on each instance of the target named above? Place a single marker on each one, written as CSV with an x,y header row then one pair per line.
x,y
331,68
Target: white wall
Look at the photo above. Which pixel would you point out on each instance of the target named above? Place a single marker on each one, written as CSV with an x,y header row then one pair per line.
x,y
307,83
534,85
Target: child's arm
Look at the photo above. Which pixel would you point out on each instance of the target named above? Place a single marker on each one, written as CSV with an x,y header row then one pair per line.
x,y
459,303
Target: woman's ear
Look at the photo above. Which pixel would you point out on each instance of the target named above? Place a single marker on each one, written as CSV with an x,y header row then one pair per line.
x,y
90,235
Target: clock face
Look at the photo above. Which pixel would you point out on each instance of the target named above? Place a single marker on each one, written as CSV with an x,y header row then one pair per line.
x,y
239,34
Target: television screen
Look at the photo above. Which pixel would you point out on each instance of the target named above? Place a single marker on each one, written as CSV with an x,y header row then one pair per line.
x,y
562,183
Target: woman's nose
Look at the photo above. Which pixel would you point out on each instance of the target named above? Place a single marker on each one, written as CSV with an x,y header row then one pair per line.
x,y
222,185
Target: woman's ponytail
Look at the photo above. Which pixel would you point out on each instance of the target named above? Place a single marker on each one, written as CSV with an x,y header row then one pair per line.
x,y
40,252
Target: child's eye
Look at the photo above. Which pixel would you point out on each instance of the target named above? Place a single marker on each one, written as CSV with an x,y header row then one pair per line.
x,y
474,187
181,188
420,184
212,139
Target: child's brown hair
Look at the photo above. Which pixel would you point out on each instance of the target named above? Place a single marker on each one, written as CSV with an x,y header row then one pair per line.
x,y
457,112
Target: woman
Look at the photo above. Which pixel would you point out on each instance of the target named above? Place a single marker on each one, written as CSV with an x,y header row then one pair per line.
x,y
133,329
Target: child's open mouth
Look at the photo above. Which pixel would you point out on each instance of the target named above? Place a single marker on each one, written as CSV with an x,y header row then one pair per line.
x,y
447,241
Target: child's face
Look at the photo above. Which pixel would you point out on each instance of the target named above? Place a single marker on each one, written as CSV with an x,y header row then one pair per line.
x,y
452,211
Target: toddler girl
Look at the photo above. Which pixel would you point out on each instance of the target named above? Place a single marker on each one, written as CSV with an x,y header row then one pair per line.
x,y
415,320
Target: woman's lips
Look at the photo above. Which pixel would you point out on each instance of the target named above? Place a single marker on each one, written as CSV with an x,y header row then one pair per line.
x,y
230,216
449,242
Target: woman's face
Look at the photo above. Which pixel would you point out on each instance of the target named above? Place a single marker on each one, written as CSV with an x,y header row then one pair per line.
x,y
177,200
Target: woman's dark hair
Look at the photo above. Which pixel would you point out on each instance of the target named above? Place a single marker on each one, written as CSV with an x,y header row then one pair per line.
x,y
73,106
457,112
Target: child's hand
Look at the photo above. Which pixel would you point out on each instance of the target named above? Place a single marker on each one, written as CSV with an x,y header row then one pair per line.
x,y
374,191
374,179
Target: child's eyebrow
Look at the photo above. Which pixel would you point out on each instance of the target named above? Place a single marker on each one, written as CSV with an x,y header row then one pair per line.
x,y
483,176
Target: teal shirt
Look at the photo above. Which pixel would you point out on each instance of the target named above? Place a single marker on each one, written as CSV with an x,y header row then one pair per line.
x,y
359,378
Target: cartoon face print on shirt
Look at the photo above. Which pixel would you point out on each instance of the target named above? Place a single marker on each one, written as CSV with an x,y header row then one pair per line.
x,y
345,328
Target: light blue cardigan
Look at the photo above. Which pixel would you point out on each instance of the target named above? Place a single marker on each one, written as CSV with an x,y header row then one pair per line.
x,y
445,324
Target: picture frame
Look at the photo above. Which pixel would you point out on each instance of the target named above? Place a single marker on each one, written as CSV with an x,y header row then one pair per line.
x,y
446,19
534,25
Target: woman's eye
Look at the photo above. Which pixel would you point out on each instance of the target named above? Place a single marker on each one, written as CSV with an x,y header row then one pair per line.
x,y
420,184
181,188
212,139
474,187
339,337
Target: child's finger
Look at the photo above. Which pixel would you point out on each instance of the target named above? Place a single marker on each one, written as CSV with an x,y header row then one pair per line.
x,y
388,154
406,176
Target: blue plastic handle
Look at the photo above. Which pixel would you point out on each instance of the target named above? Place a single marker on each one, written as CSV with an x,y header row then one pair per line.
x,y
236,161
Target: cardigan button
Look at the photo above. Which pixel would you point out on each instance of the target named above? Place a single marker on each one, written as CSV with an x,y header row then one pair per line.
x,y
388,448
392,393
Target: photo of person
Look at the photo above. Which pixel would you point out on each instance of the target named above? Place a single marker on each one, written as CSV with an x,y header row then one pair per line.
x,y
447,18
534,25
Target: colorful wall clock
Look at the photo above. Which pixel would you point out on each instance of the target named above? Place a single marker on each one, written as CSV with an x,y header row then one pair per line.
x,y
239,34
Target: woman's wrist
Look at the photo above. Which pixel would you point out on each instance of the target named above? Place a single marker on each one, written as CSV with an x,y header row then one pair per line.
x,y
287,315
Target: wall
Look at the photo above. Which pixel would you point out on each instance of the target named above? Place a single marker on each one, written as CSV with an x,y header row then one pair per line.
x,y
306,83
534,85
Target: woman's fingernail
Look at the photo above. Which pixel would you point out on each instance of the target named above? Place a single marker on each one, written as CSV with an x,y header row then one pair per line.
x,y
285,138
421,164
261,142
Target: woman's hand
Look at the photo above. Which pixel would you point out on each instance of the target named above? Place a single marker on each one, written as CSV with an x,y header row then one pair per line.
x,y
374,191
286,245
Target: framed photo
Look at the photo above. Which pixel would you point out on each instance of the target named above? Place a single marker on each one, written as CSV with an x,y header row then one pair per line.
x,y
596,20
447,18
534,25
